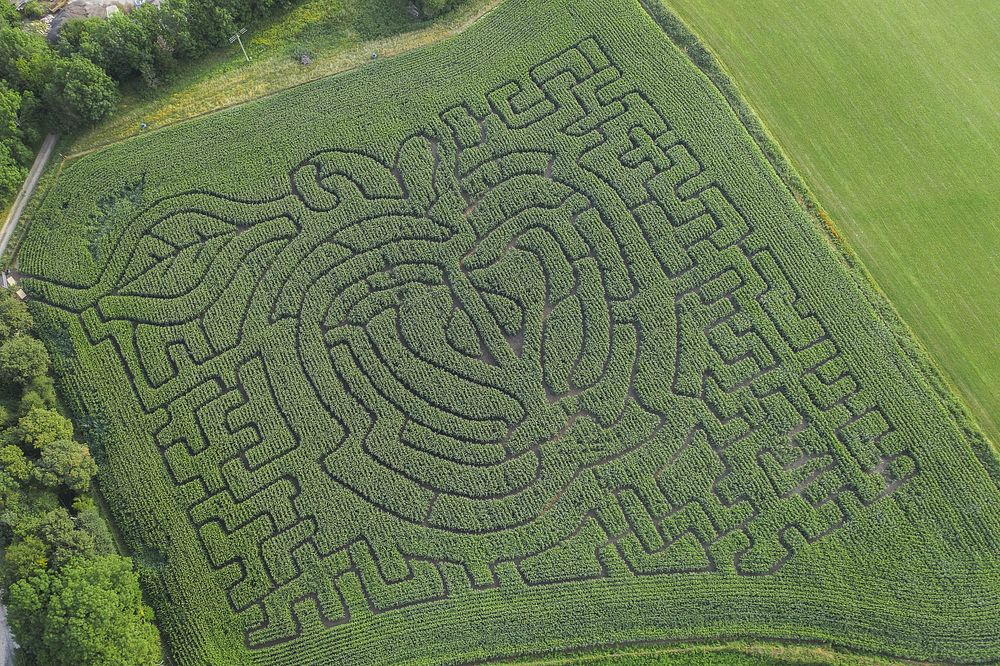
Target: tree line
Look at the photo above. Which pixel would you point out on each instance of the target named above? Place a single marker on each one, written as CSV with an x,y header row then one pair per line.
x,y
71,599
74,81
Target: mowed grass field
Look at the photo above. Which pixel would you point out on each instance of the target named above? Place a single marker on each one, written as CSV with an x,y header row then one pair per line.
x,y
514,345
891,112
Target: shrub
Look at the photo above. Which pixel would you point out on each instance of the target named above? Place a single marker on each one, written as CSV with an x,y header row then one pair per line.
x,y
23,359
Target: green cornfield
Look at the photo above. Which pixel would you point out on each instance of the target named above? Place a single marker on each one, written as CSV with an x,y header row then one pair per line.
x,y
514,344
909,172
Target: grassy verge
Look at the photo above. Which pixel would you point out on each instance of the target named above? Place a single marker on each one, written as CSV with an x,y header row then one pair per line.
x,y
737,653
889,112
45,183
337,35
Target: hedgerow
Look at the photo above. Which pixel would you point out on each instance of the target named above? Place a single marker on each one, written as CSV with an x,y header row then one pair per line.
x,y
69,599
518,343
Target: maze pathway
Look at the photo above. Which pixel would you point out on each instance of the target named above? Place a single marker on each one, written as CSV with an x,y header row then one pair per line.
x,y
538,341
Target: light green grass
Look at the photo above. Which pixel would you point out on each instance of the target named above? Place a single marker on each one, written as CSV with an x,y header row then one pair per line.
x,y
890,112
736,653
336,34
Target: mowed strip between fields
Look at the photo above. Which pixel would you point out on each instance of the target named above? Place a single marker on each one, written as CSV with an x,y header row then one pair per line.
x,y
891,113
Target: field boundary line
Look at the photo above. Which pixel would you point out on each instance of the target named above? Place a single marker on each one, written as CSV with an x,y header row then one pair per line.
x,y
924,364
449,33
680,645
27,189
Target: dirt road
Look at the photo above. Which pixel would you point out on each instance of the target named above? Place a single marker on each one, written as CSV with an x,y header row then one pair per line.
x,y
25,194
7,643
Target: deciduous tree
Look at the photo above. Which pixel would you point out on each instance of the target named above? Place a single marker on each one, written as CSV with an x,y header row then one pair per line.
x,y
66,463
87,612
41,427
79,93
22,359
14,316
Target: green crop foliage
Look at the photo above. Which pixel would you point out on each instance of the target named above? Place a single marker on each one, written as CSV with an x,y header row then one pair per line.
x,y
511,345
913,195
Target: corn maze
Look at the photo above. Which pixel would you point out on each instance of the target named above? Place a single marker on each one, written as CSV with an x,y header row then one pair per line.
x,y
536,344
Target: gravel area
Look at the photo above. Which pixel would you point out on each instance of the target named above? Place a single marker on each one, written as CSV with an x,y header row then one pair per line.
x,y
88,9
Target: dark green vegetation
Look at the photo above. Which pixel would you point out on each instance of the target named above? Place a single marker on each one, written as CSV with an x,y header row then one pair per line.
x,y
75,83
39,89
15,154
898,144
514,344
336,36
151,41
89,611
432,8
71,600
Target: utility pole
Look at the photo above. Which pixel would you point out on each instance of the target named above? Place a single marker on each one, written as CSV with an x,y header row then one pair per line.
x,y
236,38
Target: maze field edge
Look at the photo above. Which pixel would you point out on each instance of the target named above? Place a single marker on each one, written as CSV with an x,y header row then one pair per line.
x,y
539,356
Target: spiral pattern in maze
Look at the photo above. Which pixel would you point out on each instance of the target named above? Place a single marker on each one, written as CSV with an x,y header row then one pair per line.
x,y
538,344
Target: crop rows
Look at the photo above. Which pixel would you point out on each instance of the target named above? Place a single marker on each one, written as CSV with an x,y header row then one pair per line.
x,y
537,344
542,336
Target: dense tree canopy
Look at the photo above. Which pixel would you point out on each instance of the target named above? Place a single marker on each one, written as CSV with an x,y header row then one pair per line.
x,y
148,42
22,359
63,541
65,462
40,393
41,427
12,174
15,470
8,14
87,612
10,128
80,92
13,152
71,600
25,59
18,63
14,315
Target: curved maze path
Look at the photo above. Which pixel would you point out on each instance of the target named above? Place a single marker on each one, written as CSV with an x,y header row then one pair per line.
x,y
542,336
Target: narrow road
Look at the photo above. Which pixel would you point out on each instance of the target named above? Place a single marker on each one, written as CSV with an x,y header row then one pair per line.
x,y
25,194
7,644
